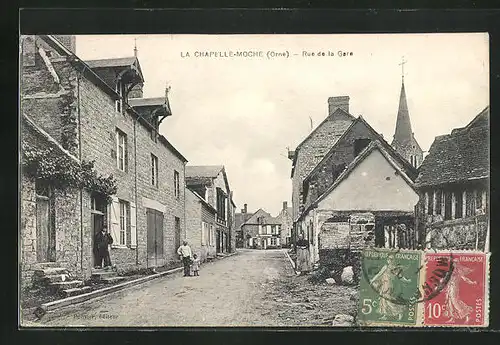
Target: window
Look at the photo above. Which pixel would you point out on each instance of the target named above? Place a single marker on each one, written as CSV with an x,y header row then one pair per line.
x,y
273,229
479,200
430,202
176,184
447,205
221,205
459,201
121,150
439,201
124,221
154,170
203,233
273,241
469,203
119,102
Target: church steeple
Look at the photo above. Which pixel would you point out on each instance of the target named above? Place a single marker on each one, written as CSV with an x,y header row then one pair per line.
x,y
403,131
404,142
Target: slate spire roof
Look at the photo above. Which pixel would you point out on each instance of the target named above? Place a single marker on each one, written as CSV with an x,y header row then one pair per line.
x,y
403,132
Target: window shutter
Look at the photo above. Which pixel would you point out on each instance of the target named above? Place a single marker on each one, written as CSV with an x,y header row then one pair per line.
x,y
113,137
203,227
126,153
128,229
115,221
133,223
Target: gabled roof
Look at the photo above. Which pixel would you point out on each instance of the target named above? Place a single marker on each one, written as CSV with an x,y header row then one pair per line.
x,y
381,140
131,61
151,103
202,200
460,156
30,123
268,219
211,171
341,125
374,145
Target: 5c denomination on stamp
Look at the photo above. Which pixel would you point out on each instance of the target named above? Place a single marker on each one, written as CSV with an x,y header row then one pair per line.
x,y
389,287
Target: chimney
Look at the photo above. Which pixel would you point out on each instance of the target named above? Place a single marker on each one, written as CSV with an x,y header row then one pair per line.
x,y
245,208
285,205
341,102
69,41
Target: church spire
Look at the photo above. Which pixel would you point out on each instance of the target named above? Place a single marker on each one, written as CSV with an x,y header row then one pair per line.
x,y
403,132
404,142
135,47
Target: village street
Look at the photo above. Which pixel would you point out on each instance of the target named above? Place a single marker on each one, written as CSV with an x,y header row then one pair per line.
x,y
252,288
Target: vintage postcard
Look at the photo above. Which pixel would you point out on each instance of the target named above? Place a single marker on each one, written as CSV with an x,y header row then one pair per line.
x,y
254,180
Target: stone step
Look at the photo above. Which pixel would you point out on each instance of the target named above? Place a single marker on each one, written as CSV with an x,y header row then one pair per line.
x,y
43,265
112,280
66,285
54,278
50,271
75,291
102,275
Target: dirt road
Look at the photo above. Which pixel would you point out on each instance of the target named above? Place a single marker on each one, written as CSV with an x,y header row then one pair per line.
x,y
252,288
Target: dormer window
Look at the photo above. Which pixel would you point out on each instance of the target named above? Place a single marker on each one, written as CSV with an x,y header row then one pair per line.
x,y
119,102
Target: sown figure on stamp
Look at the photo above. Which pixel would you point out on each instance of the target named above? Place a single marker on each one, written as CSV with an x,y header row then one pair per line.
x,y
455,308
385,281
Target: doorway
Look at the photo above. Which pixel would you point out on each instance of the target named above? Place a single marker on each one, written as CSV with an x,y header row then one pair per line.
x,y
45,223
155,237
217,242
98,211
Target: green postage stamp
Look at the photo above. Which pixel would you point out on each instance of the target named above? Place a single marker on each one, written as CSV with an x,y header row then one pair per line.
x,y
389,287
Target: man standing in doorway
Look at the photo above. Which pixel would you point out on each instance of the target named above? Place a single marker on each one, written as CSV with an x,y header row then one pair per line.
x,y
184,252
102,241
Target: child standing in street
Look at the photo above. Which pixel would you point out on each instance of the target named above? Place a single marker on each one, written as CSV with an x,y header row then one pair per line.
x,y
195,266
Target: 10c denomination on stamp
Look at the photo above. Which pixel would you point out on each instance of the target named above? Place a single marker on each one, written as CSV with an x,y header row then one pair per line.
x,y
463,300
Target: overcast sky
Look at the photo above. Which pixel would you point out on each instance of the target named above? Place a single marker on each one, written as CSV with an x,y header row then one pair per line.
x,y
244,112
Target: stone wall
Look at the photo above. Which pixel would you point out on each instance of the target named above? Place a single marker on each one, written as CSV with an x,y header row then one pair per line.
x,y
458,233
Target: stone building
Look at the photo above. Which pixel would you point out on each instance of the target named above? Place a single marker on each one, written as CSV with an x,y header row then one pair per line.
x,y
369,203
285,218
262,231
211,183
313,148
241,218
85,107
453,182
200,226
404,140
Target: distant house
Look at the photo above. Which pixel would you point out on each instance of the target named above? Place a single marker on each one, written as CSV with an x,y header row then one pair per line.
x,y
285,217
453,183
262,231
211,184
371,202
200,225
241,218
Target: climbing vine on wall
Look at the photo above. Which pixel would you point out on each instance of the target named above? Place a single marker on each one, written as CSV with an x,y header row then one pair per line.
x,y
62,172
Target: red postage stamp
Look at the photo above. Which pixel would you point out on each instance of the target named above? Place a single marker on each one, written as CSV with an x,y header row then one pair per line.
x,y
457,289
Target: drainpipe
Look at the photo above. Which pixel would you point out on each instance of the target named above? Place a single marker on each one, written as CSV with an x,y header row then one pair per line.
x,y
80,156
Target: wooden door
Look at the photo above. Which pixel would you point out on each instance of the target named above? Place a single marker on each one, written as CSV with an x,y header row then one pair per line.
x,y
97,225
217,242
159,236
42,228
155,237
